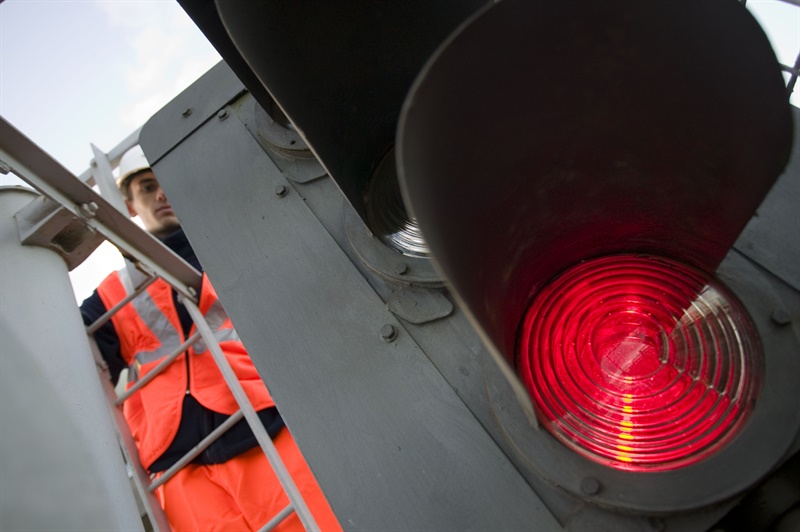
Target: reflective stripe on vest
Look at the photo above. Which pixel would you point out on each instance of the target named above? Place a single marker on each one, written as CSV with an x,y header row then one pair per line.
x,y
162,328
159,324
216,318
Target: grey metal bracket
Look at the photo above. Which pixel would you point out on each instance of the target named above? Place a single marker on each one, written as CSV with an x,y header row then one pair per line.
x,y
284,144
45,223
419,305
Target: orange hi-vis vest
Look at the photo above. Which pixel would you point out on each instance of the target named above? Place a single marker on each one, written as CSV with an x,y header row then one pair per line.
x,y
149,329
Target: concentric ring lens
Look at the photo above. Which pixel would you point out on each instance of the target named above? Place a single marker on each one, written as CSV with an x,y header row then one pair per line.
x,y
638,362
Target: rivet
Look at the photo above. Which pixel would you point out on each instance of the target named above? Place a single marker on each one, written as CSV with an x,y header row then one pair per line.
x,y
186,112
590,486
281,191
223,114
192,291
401,268
388,333
780,317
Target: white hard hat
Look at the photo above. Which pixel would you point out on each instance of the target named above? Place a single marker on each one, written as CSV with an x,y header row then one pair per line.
x,y
132,162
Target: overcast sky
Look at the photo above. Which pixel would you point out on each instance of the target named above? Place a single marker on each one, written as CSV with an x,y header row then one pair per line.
x,y
75,72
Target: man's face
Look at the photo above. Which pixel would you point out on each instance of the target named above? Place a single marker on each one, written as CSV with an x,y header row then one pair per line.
x,y
150,204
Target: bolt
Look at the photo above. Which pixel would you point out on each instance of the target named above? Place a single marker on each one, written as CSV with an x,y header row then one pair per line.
x,y
4,167
192,291
223,114
388,333
780,317
88,210
281,191
186,112
590,486
401,268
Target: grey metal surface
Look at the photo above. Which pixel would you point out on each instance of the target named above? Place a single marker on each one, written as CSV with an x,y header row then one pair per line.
x,y
772,237
45,223
418,305
585,149
60,463
391,443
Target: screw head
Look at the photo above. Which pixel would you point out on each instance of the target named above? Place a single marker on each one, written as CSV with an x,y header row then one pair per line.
x,y
780,317
186,112
590,486
388,333
281,191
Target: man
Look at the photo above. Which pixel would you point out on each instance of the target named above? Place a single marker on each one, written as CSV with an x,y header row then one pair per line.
x,y
230,486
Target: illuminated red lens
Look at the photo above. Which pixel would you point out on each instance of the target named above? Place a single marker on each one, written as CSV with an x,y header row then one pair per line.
x,y
638,362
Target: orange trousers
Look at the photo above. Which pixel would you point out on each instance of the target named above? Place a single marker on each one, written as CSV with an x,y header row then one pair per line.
x,y
243,493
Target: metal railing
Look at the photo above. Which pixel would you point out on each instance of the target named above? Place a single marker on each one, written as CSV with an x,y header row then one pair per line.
x,y
26,160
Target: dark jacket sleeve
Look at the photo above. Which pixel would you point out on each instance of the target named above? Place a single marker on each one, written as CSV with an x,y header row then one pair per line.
x,y
106,336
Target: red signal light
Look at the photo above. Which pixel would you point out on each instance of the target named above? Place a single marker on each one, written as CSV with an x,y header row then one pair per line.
x,y
639,362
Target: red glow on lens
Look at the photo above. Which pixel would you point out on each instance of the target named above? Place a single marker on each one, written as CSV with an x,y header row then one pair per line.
x,y
638,362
